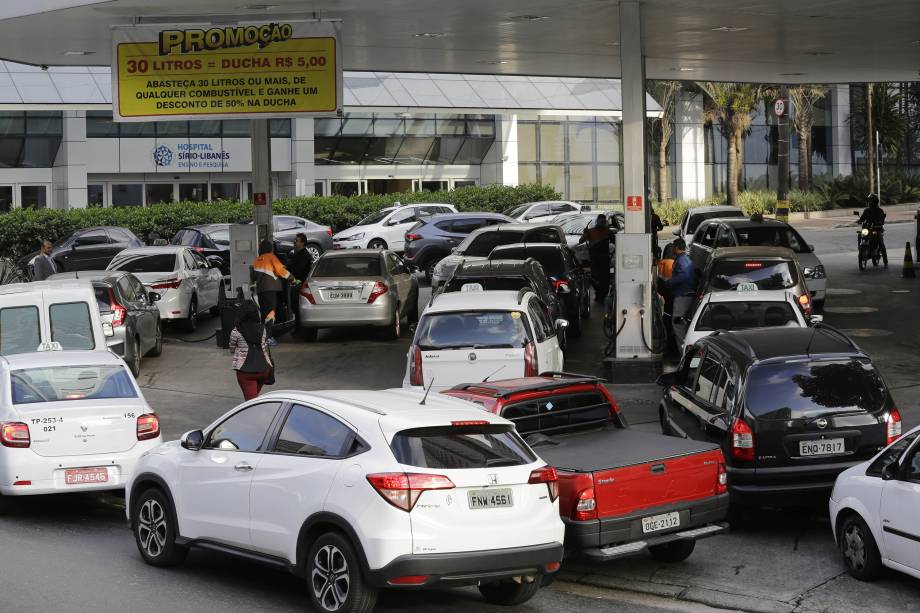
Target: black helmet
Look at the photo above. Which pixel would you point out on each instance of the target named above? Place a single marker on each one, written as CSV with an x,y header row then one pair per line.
x,y
872,200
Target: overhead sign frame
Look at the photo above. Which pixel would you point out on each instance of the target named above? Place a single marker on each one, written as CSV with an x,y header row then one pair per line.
x,y
249,70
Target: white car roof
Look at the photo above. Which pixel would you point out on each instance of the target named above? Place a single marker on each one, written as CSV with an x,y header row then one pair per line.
x,y
154,250
769,295
501,300
711,209
45,287
41,359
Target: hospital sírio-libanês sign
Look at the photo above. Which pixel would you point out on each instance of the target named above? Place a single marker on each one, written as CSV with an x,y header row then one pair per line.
x,y
277,69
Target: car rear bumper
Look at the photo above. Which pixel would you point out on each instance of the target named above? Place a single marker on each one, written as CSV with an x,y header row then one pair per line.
x,y
787,485
341,316
616,537
470,568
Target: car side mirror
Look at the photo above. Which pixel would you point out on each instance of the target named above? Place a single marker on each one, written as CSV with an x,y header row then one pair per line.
x,y
811,248
676,231
153,296
561,324
192,440
667,379
215,261
890,472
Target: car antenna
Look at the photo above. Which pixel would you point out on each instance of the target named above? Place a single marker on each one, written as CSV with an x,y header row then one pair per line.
x,y
425,397
494,372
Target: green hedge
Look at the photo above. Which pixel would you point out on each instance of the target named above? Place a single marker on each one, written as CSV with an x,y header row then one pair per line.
x,y
751,202
22,229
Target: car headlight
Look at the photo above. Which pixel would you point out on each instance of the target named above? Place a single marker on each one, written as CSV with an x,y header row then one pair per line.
x,y
814,273
865,231
353,237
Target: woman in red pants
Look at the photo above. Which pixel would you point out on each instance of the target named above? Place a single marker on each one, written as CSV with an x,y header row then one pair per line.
x,y
249,345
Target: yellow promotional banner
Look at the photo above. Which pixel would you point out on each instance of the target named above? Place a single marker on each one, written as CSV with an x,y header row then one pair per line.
x,y
244,71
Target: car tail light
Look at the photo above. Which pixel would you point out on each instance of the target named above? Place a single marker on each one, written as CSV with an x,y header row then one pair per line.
x,y
402,490
409,580
470,422
380,288
531,367
547,475
894,425
199,249
552,567
413,237
306,293
742,440
722,479
560,284
753,265
15,434
586,507
805,303
148,426
173,283
329,231
415,366
120,313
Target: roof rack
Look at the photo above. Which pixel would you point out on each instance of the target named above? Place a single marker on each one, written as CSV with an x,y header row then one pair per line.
x,y
570,379
823,326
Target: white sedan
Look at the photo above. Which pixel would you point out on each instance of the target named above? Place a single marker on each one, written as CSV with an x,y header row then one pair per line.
x,y
738,310
73,421
874,511
187,283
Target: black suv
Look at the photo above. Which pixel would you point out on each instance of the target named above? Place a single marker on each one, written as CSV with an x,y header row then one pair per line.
x,y
569,281
507,275
791,408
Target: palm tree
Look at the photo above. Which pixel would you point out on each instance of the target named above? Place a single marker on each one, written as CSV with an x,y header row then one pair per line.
x,y
804,98
733,104
665,94
879,112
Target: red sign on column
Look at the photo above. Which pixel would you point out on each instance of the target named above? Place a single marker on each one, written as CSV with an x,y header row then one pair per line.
x,y
634,203
260,198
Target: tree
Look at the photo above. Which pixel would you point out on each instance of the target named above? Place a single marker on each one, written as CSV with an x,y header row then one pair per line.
x,y
665,94
733,104
880,111
804,97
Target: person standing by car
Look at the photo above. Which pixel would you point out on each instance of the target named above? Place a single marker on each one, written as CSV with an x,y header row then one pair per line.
x,y
299,261
249,345
598,239
269,271
683,278
44,265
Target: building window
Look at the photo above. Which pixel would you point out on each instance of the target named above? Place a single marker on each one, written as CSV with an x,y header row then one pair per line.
x,y
33,196
464,183
344,188
95,195
318,188
225,191
172,129
30,139
434,186
128,194
6,198
158,193
99,124
193,192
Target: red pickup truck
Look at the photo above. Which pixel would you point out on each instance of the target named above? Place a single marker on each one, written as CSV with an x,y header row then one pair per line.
x,y
621,491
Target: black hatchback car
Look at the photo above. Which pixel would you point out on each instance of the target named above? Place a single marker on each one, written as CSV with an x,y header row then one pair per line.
x,y
87,249
569,281
791,407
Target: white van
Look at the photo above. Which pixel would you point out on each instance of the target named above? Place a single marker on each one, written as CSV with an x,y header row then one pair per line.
x,y
43,312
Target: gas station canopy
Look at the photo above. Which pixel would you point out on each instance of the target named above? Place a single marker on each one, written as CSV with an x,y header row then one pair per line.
x,y
792,41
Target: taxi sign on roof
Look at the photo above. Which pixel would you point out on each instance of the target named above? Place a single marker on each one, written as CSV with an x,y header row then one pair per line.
x,y
240,71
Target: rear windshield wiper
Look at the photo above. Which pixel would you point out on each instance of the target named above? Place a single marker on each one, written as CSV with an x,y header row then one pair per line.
x,y
502,462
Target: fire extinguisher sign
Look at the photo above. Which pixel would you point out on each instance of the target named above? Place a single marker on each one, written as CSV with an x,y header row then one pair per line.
x,y
634,204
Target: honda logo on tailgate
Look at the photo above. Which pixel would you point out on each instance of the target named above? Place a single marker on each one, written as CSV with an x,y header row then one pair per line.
x,y
472,357
493,479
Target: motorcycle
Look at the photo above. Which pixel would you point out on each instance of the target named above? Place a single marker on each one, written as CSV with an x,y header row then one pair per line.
x,y
870,245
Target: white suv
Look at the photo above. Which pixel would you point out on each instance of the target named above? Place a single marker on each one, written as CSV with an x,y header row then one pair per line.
x,y
355,491
472,335
386,229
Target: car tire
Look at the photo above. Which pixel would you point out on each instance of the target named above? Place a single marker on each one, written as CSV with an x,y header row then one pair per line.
x,y
675,551
377,243
334,579
133,356
392,331
309,334
314,250
157,349
154,525
509,593
191,322
859,550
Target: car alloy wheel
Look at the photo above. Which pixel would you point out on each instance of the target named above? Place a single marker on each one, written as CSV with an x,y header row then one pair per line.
x,y
854,548
151,528
330,578
314,252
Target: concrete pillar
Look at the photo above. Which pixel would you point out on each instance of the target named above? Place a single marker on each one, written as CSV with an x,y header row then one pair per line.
x,y
841,154
500,165
261,143
69,173
689,147
302,178
632,69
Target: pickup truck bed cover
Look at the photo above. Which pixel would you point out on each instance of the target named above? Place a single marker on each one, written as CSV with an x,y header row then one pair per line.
x,y
610,448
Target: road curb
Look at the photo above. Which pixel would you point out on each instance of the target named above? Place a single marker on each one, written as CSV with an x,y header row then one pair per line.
x,y
688,593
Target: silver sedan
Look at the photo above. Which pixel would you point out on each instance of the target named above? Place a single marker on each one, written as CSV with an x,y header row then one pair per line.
x,y
358,287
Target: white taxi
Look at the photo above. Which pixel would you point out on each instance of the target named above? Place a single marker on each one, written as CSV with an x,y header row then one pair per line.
x,y
473,335
70,421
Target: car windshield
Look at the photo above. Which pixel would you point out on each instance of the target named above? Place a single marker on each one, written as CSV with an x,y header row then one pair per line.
x,y
186,238
138,262
771,236
516,211
59,383
746,315
697,218
220,237
550,259
348,266
512,283
461,447
374,217
751,275
481,245
814,388
472,330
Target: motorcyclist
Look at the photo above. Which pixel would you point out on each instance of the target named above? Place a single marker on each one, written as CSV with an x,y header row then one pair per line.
x,y
874,215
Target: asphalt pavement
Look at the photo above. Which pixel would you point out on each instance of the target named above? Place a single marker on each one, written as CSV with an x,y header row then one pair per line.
x,y
74,553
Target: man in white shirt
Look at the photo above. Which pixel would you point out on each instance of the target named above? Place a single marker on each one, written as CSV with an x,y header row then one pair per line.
x,y
44,266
